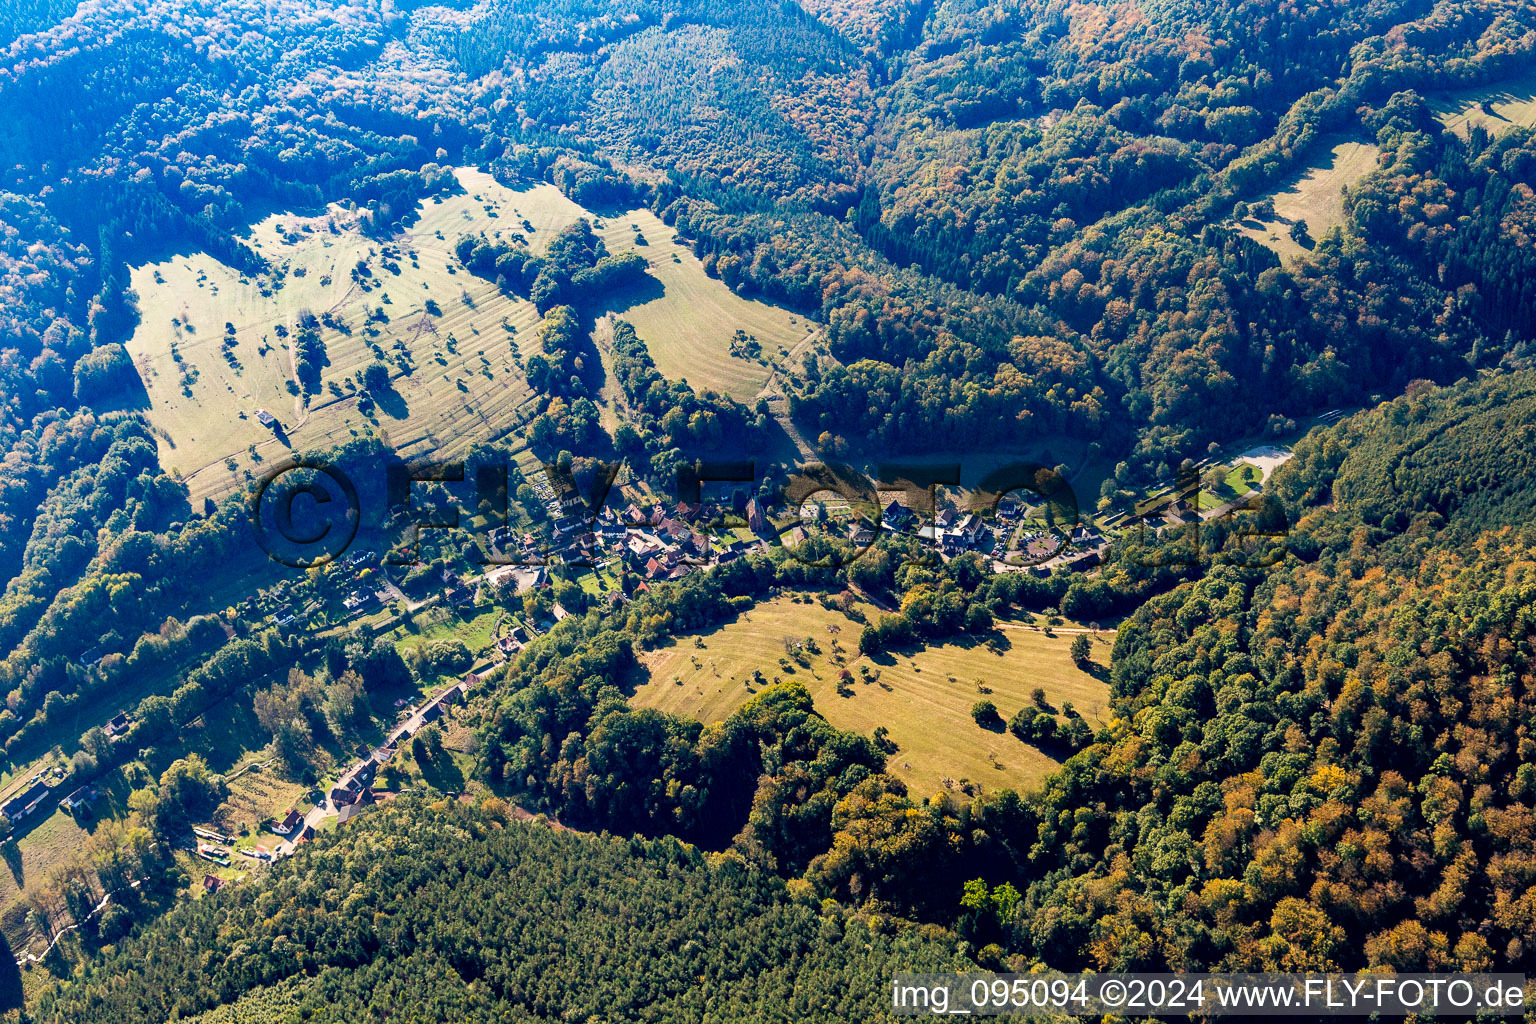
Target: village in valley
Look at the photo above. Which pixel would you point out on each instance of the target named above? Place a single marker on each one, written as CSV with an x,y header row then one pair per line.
x,y
466,601
515,583
495,596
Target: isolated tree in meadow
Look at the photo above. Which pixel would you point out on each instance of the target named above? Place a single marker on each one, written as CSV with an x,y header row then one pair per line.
x,y
985,714
1080,649
376,377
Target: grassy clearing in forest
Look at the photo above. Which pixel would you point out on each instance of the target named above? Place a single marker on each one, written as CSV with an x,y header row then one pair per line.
x,y
688,320
463,384
1316,197
922,697
1497,107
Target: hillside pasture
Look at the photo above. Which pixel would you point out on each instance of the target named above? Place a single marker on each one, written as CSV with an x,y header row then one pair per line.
x,y
922,697
1315,196
688,319
1497,107
453,341
461,383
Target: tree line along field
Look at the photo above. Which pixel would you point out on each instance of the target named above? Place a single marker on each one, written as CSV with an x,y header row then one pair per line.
x,y
464,382
687,319
923,697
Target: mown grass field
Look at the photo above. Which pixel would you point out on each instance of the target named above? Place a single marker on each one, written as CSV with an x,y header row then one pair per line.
x,y
47,842
687,319
477,627
1237,483
922,697
464,384
1497,108
1316,196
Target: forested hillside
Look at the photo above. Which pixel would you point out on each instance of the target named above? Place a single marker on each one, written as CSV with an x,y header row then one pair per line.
x,y
1083,163
1014,222
25,16
436,912
1460,459
1325,768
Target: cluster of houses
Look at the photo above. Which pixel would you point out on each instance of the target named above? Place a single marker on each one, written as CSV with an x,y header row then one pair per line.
x,y
1087,551
37,791
956,532
665,543
953,532
213,847
662,543
1046,551
353,791
656,542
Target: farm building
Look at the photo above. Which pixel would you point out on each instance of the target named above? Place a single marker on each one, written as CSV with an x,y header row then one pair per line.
x,y
25,802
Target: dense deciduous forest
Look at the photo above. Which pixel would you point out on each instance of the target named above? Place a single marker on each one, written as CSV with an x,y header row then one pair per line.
x,y
1456,461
